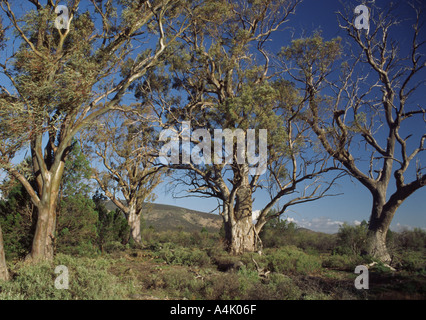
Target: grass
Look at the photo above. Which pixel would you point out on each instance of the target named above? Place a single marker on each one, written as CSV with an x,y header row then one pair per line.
x,y
195,266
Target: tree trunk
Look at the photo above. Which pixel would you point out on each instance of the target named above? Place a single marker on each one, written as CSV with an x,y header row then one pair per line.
x,y
239,229
44,237
380,220
4,274
134,221
376,244
242,237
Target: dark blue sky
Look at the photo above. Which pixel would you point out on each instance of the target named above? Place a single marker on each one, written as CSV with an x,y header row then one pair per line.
x,y
355,204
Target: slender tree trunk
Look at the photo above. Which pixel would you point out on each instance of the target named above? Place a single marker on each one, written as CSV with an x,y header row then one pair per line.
x,y
134,221
4,274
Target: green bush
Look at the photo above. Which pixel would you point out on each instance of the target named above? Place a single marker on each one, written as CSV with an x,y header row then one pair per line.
x,y
352,240
89,279
283,287
248,279
414,240
77,226
342,262
277,232
292,260
183,256
16,221
225,286
413,261
113,246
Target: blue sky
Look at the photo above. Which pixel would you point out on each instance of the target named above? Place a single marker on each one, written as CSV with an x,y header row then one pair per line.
x,y
355,204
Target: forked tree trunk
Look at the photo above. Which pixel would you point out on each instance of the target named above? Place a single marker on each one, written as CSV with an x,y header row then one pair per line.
x,y
4,274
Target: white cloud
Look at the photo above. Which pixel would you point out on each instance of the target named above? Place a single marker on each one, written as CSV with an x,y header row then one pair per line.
x,y
255,214
291,220
320,224
400,227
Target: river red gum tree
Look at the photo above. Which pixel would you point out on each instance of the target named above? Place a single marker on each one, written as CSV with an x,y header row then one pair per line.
x,y
223,77
64,79
126,150
370,102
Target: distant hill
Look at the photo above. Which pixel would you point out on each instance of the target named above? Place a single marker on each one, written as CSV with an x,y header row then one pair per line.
x,y
166,217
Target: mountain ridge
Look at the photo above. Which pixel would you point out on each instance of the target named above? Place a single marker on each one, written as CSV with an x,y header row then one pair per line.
x,y
163,217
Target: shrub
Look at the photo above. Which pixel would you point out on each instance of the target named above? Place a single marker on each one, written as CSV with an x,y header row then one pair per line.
x,y
183,256
413,261
16,220
77,226
411,239
113,246
277,232
112,225
342,262
88,280
180,282
248,279
226,286
292,260
315,242
276,287
352,240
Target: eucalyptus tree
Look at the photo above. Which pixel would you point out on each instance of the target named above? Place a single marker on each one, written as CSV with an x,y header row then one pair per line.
x,y
220,84
123,164
64,71
361,103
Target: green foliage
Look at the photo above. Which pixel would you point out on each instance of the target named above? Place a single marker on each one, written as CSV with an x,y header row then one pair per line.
x,y
413,261
112,226
77,173
313,55
16,221
277,233
292,260
409,250
342,262
352,240
77,221
183,256
89,279
413,240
